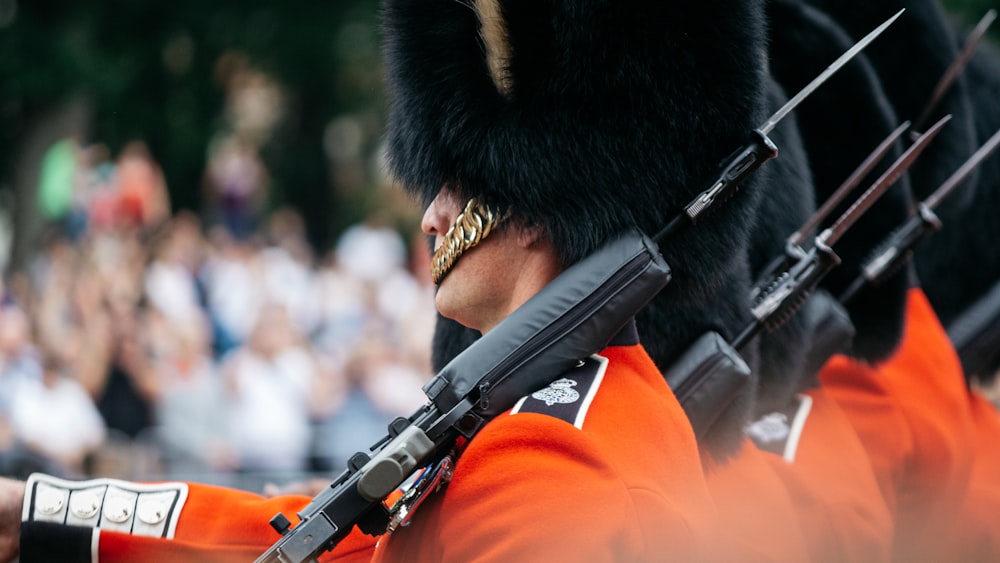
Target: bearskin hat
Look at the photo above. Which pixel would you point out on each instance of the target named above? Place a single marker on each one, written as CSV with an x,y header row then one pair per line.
x,y
583,117
587,118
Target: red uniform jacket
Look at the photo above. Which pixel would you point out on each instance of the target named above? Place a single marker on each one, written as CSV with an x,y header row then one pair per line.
x,y
600,466
912,415
759,523
833,487
977,531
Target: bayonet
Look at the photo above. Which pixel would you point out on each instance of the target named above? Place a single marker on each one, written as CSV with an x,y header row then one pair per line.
x,y
852,181
793,245
898,247
832,68
955,68
833,233
734,169
783,294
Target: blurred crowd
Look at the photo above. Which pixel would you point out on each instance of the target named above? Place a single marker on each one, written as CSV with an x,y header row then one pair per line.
x,y
142,343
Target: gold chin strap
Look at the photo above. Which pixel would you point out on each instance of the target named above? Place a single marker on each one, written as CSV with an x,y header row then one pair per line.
x,y
471,226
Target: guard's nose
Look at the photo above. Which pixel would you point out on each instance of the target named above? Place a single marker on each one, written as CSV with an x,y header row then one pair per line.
x,y
437,217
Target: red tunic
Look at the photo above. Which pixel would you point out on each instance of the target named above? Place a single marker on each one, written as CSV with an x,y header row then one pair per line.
x,y
912,416
832,485
625,486
759,522
613,476
977,531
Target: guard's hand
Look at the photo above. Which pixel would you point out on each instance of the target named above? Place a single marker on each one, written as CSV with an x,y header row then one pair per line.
x,y
11,500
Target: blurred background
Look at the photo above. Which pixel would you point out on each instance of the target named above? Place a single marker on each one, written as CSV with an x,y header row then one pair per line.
x,y
206,273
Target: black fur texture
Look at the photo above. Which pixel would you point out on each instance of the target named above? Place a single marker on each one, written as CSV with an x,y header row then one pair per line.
x,y
618,113
910,59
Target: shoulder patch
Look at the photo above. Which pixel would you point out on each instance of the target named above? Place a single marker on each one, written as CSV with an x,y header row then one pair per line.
x,y
779,432
110,504
569,397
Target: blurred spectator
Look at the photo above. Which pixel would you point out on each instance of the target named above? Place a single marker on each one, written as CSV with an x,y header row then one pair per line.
x,y
19,360
97,191
233,293
56,418
288,269
20,366
370,252
269,388
128,390
57,183
57,275
237,182
343,303
391,384
189,413
171,283
142,190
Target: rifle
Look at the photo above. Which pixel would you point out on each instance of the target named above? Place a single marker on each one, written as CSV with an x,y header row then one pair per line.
x,y
781,296
710,373
893,252
573,317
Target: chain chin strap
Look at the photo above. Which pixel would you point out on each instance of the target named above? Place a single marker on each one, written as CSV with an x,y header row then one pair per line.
x,y
471,226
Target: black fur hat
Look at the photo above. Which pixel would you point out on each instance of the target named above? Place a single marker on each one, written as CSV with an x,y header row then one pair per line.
x,y
583,117
587,118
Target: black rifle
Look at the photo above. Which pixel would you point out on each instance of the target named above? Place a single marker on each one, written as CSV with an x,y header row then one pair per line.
x,y
898,247
781,295
710,373
573,317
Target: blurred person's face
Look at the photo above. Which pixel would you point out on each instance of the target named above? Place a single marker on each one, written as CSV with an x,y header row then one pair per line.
x,y
13,330
273,331
491,280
